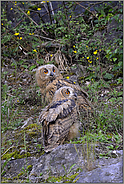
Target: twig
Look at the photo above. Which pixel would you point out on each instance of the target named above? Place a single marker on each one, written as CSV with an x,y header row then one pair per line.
x,y
86,9
44,37
29,17
97,3
36,12
7,150
13,28
49,12
52,11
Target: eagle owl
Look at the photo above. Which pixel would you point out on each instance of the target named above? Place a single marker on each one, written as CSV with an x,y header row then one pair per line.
x,y
49,80
60,119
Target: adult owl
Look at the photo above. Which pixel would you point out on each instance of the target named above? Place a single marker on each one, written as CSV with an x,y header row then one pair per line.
x,y
49,80
60,119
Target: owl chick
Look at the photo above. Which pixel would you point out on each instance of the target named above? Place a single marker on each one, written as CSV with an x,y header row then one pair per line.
x,y
45,75
49,80
60,119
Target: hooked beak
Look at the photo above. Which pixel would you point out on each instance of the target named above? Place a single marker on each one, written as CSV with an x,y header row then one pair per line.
x,y
51,74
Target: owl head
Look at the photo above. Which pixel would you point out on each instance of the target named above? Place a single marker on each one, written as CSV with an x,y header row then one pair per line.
x,y
46,74
65,92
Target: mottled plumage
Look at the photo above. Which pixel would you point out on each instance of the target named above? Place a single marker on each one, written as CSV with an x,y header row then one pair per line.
x,y
49,80
60,119
45,75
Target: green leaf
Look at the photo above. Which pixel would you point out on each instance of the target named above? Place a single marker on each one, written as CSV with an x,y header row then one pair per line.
x,y
116,51
120,63
114,59
25,66
71,168
32,67
108,76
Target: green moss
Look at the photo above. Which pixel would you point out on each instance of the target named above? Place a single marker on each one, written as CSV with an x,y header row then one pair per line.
x,y
16,155
31,126
15,178
8,155
34,174
29,167
63,178
32,133
20,174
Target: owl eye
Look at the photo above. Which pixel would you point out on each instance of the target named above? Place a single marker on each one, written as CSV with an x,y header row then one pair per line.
x,y
45,71
67,93
53,69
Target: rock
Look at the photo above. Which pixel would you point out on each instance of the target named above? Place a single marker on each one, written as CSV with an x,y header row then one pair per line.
x,y
67,160
14,167
111,172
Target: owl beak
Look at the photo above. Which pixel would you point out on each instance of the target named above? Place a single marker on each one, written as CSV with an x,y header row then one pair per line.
x,y
51,74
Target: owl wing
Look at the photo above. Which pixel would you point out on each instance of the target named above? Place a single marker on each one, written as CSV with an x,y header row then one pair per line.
x,y
57,109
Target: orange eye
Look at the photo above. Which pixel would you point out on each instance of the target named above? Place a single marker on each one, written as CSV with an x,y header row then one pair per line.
x,y
45,71
53,70
67,92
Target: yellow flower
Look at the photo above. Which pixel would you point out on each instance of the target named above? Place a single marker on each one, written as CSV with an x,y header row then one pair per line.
x,y
51,55
17,37
82,57
2,24
35,50
20,38
100,50
86,46
70,16
11,8
75,51
23,3
95,52
17,100
92,79
89,61
31,33
67,77
39,9
74,46
47,1
44,1
15,4
74,82
97,58
28,13
87,57
16,34
15,1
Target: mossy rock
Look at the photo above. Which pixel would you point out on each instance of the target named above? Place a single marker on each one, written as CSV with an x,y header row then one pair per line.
x,y
28,138
15,155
